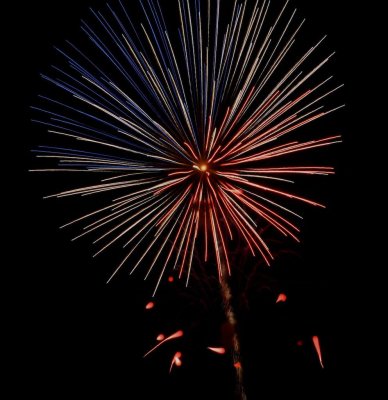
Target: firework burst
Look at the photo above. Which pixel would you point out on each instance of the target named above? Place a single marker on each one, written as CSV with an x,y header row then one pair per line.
x,y
187,125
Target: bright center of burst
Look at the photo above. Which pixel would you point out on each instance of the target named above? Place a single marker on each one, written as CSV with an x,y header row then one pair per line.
x,y
202,167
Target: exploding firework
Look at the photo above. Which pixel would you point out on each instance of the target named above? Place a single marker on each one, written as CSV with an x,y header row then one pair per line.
x,y
190,125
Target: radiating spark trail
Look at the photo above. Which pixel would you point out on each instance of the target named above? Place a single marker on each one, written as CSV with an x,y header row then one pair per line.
x,y
189,128
318,349
175,335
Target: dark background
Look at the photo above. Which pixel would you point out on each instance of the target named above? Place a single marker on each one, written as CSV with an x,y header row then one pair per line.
x,y
81,337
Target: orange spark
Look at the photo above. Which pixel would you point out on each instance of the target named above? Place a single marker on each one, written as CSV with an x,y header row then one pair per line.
x,y
171,279
150,305
160,337
218,350
237,365
176,360
318,349
175,335
281,298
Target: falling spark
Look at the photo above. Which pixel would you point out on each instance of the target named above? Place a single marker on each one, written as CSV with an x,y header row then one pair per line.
x,y
160,337
176,360
318,349
175,335
218,350
282,298
150,305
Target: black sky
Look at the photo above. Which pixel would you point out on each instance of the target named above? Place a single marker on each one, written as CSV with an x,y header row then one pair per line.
x,y
83,337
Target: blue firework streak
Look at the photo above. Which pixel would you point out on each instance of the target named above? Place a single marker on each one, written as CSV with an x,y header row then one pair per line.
x,y
182,120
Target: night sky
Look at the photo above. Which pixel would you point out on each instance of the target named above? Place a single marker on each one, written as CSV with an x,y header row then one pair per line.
x,y
84,338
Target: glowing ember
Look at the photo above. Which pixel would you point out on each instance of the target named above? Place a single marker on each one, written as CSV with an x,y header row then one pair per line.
x,y
176,360
175,335
318,349
150,305
282,298
218,350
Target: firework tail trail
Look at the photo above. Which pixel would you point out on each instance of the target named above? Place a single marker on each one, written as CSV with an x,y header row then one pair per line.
x,y
231,318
